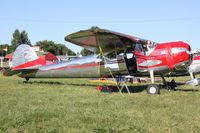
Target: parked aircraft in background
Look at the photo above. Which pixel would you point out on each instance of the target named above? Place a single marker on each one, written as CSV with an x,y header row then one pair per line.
x,y
116,55
194,68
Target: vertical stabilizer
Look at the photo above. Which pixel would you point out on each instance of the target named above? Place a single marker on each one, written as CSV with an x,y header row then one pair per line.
x,y
25,57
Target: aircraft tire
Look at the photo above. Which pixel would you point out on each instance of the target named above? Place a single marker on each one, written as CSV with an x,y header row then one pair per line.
x,y
153,89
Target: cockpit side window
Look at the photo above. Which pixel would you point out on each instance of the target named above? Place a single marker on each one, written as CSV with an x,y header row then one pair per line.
x,y
139,49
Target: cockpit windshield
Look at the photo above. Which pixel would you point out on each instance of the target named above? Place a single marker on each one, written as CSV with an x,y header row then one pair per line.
x,y
150,46
145,49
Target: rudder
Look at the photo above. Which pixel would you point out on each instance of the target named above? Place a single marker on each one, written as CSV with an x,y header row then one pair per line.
x,y
23,54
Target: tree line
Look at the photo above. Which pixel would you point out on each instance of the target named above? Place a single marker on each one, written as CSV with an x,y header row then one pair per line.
x,y
21,37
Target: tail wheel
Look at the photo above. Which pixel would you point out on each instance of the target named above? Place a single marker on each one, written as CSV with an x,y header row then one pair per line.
x,y
153,89
27,79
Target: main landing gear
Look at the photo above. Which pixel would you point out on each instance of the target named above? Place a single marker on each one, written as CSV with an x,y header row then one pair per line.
x,y
153,88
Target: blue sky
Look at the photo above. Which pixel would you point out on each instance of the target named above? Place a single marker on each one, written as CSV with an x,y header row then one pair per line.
x,y
157,20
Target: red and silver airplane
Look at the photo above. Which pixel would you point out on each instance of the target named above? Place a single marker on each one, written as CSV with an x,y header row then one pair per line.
x,y
116,55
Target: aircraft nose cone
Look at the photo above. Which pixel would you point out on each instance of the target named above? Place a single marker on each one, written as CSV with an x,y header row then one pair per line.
x,y
183,59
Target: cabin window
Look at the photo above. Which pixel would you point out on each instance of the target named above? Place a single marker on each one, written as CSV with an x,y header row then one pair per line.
x,y
111,55
139,49
129,55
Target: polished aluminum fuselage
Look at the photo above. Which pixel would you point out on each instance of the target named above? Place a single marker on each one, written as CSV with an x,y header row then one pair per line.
x,y
85,67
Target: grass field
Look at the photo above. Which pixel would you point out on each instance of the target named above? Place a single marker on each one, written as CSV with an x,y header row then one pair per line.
x,y
73,105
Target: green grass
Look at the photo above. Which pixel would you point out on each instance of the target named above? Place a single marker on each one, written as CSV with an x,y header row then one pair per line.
x,y
73,105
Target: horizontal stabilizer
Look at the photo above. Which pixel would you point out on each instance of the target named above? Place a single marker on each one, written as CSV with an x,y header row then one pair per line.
x,y
9,72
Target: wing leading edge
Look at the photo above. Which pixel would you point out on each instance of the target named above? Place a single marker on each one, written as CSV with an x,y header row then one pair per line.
x,y
96,39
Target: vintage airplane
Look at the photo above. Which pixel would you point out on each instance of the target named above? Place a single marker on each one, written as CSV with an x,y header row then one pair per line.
x,y
116,55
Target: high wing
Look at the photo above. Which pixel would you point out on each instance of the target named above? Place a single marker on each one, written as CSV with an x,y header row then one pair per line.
x,y
102,40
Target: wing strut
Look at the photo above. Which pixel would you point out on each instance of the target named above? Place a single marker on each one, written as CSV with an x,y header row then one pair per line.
x,y
100,49
120,85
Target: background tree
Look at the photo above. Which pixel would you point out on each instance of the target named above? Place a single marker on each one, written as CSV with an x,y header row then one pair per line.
x,y
63,50
5,49
47,46
57,49
19,38
85,52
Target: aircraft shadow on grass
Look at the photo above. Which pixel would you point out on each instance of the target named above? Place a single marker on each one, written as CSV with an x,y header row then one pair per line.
x,y
177,84
56,83
141,88
44,82
112,88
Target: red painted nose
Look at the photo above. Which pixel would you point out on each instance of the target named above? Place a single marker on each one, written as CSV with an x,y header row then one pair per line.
x,y
181,55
